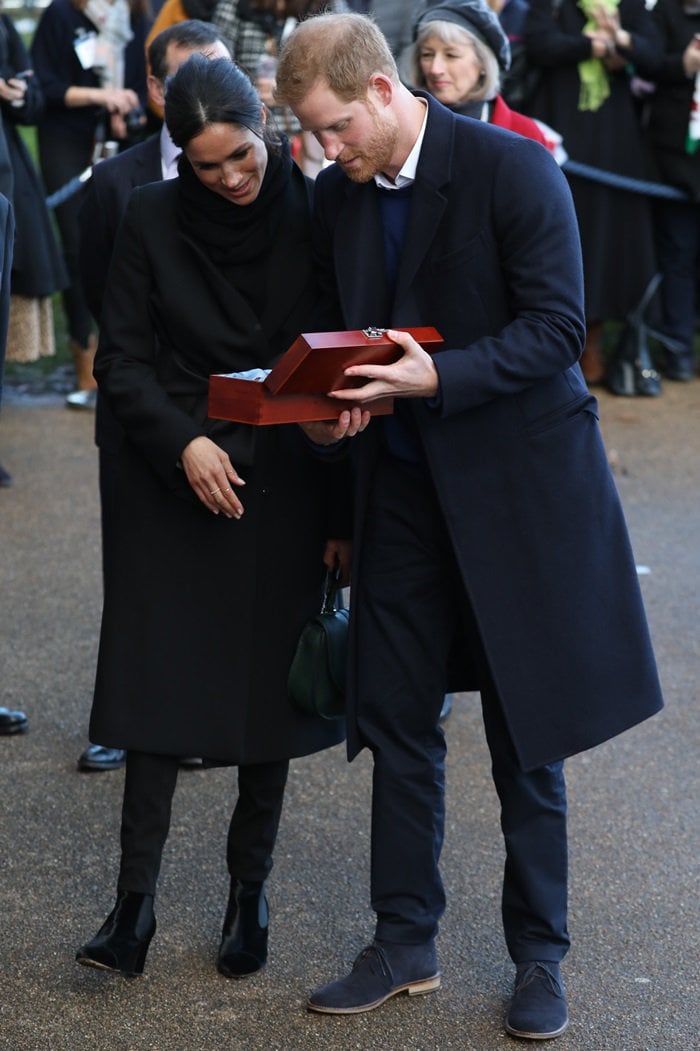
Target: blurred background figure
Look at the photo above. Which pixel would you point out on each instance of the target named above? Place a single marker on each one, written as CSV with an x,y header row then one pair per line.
x,y
12,721
7,234
253,31
396,19
88,57
512,14
171,13
585,52
675,141
37,267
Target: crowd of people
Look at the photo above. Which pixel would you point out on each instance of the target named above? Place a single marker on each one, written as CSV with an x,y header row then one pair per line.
x,y
249,133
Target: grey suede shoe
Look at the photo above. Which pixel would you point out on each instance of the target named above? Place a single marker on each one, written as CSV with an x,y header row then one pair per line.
x,y
380,971
538,1010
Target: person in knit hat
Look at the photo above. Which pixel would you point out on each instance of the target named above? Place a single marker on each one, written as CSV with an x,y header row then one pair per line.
x,y
460,51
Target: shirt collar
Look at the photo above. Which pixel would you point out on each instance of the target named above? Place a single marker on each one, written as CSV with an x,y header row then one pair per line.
x,y
169,154
407,173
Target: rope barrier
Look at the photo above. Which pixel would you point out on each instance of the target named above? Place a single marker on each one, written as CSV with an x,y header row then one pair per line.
x,y
624,182
68,189
569,167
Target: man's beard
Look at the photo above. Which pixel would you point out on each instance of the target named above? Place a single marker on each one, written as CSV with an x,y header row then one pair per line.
x,y
377,152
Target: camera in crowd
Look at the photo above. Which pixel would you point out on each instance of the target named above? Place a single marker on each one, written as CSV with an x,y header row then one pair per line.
x,y
135,121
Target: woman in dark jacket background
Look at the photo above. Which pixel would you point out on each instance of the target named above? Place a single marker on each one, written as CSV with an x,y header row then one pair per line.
x,y
37,269
585,94
677,156
222,528
93,76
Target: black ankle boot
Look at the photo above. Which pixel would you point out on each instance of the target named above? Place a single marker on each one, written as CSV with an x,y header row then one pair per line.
x,y
243,948
122,941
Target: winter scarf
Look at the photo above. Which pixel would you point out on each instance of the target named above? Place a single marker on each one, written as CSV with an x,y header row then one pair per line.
x,y
593,76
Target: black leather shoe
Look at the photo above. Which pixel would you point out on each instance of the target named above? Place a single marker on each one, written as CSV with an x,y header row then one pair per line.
x,y
97,757
5,478
538,1010
380,971
122,941
243,948
12,721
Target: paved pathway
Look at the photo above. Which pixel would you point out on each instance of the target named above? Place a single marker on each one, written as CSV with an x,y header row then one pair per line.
x,y
633,970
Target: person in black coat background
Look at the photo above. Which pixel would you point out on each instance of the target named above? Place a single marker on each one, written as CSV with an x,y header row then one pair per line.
x,y
85,98
37,269
585,95
212,573
12,720
677,155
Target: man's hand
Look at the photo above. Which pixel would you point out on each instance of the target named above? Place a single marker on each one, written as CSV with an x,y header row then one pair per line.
x,y
413,376
328,432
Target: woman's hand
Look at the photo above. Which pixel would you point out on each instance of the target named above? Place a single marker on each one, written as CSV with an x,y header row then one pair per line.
x,y
609,22
327,432
601,44
339,553
211,474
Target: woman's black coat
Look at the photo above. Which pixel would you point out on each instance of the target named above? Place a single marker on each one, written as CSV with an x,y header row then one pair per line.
x,y
202,613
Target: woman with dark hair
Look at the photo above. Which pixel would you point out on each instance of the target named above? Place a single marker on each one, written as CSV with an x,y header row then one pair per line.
x,y
214,571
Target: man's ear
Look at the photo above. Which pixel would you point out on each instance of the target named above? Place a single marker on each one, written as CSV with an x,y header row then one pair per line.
x,y
156,91
381,88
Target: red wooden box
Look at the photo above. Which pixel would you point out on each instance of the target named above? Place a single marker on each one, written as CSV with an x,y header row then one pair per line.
x,y
295,390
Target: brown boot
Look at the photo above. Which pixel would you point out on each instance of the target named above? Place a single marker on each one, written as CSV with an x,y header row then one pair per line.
x,y
592,364
83,357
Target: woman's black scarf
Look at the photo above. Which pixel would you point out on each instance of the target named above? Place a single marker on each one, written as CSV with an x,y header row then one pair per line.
x,y
237,238
260,255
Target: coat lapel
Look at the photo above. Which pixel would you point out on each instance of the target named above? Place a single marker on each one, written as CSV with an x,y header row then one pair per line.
x,y
429,199
360,272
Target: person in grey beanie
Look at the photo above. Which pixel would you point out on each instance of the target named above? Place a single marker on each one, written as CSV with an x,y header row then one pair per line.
x,y
459,53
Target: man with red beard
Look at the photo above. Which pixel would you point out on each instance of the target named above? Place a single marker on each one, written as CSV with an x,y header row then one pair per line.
x,y
491,551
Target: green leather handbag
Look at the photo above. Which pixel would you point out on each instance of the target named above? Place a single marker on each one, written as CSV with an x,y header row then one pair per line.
x,y
316,681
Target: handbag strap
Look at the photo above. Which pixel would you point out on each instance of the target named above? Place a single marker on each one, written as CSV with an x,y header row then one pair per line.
x,y
332,598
